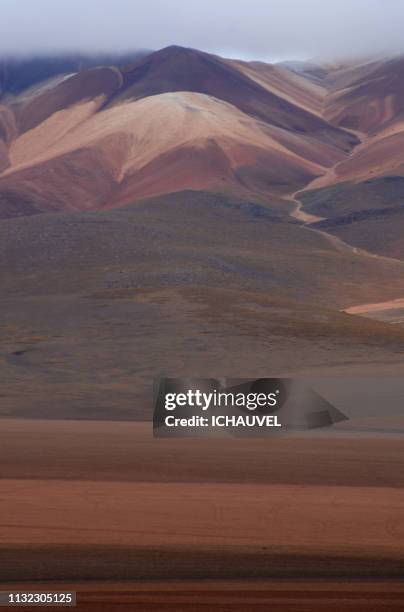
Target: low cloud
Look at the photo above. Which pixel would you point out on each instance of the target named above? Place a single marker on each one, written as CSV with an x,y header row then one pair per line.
x,y
259,29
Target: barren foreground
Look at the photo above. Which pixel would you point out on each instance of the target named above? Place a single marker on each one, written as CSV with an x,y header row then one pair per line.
x,y
92,501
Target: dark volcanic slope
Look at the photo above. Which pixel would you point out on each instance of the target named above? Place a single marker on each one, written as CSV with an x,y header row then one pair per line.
x,y
368,215
94,305
19,74
86,85
356,199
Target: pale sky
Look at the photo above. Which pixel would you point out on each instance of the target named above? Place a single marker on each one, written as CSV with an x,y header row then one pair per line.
x,y
259,29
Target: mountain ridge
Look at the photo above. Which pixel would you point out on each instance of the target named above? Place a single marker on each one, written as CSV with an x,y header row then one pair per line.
x,y
178,119
101,102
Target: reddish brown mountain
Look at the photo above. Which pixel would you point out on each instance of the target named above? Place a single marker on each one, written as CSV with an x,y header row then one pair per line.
x,y
176,119
182,119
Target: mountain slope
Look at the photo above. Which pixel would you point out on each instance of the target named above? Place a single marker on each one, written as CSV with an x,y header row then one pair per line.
x,y
95,305
177,119
360,198
194,139
180,119
179,69
286,84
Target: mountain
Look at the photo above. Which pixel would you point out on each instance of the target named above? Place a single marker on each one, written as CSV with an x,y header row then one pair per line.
x,y
175,119
182,215
189,214
92,133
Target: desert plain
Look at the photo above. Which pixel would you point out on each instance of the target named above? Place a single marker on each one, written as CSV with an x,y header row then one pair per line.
x,y
124,519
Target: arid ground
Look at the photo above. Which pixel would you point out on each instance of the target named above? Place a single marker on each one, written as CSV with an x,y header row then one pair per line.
x,y
122,518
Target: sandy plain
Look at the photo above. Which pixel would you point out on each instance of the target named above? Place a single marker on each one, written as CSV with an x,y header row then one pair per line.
x,y
137,523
